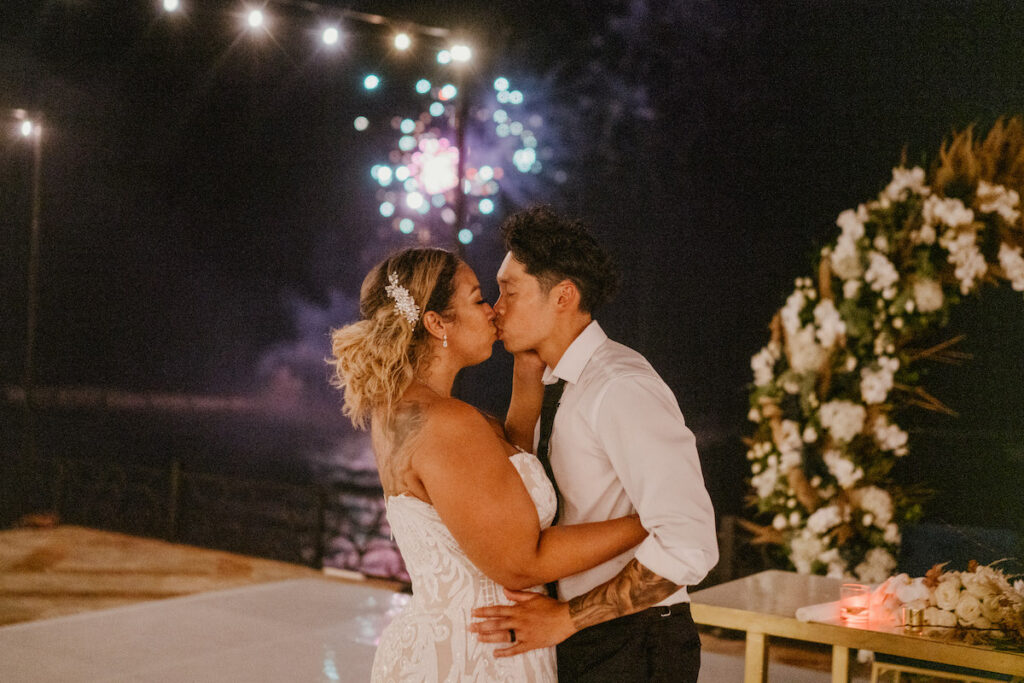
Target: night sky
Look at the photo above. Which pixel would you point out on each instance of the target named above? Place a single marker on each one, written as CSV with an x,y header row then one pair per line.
x,y
208,212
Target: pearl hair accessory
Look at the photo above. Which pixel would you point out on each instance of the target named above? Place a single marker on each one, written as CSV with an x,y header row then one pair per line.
x,y
445,342
405,305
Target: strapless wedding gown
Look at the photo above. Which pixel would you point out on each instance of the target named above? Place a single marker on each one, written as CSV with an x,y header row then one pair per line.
x,y
429,640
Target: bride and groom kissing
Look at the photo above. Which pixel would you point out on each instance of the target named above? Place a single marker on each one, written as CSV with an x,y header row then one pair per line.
x,y
592,481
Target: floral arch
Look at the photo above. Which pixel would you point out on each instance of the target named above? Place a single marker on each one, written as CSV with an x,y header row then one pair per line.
x,y
842,360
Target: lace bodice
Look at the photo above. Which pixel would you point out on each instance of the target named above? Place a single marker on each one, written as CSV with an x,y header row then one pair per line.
x,y
429,640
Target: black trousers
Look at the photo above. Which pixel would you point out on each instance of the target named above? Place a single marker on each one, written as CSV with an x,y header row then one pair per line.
x,y
660,645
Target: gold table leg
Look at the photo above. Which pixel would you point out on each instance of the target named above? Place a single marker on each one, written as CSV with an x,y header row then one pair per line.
x,y
755,665
840,664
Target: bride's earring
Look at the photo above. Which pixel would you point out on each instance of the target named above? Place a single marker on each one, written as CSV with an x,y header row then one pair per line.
x,y
444,342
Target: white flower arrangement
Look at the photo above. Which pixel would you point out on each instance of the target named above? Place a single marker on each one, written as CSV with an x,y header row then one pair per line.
x,y
981,603
840,367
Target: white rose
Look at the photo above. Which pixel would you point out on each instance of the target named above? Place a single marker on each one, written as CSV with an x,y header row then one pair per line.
x,y
992,609
851,224
914,593
968,609
976,584
845,260
933,616
892,534
981,622
805,354
823,519
1012,261
928,295
843,419
947,593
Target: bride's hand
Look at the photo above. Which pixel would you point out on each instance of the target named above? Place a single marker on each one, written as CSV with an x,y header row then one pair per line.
x,y
537,620
528,366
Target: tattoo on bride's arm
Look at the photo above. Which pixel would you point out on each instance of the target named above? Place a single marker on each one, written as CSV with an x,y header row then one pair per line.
x,y
634,588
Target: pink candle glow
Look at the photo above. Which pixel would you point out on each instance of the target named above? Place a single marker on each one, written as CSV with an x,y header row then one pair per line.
x,y
854,603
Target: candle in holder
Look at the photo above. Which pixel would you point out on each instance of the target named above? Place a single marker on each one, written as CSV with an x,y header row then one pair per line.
x,y
854,603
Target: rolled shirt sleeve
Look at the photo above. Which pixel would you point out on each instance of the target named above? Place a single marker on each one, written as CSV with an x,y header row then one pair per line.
x,y
654,455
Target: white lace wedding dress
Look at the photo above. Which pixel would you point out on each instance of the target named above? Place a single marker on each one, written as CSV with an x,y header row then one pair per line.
x,y
429,641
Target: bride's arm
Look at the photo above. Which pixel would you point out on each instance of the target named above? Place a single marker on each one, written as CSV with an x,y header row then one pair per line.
x,y
481,499
527,396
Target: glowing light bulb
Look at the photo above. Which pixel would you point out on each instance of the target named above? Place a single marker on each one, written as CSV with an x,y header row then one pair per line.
x,y
330,36
465,235
436,109
171,5
26,128
371,82
406,225
447,92
361,123
387,209
402,41
407,126
255,18
461,53
501,84
444,57
486,206
423,86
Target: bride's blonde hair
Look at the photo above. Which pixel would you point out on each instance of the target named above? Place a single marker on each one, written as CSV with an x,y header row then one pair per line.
x,y
374,360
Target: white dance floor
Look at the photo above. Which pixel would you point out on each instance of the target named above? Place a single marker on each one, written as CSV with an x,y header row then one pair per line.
x,y
299,630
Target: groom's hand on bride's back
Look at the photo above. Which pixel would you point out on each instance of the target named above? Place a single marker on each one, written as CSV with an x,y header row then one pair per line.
x,y
538,621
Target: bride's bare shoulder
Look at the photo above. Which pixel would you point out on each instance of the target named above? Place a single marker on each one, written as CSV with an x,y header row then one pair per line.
x,y
447,416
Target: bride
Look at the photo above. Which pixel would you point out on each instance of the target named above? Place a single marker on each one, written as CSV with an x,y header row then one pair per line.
x,y
470,511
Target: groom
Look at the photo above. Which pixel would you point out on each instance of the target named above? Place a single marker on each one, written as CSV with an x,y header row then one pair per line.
x,y
618,444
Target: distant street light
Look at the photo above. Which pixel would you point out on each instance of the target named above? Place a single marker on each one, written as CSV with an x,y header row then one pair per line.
x,y
31,128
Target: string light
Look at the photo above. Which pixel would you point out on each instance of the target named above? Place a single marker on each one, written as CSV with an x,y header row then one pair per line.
x,y
421,179
330,35
27,128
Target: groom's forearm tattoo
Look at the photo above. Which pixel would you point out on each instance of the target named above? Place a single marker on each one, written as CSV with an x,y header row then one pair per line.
x,y
634,588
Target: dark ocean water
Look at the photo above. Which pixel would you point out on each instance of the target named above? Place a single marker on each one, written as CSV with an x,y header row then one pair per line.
x,y
252,481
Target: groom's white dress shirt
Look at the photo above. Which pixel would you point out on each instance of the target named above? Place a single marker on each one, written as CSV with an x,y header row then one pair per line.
x,y
619,445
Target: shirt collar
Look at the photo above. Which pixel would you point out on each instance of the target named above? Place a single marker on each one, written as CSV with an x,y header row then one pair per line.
x,y
570,365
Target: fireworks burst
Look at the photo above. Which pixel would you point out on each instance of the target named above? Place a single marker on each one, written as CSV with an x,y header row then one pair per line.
x,y
505,161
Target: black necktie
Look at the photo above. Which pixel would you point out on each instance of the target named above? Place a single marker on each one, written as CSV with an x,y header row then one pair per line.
x,y
552,396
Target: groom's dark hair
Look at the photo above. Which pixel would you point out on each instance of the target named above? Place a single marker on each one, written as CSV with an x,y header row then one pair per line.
x,y
553,248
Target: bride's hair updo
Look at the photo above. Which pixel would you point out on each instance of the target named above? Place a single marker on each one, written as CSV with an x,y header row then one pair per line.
x,y
374,360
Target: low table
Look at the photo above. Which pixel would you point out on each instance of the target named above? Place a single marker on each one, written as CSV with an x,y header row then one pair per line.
x,y
765,605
